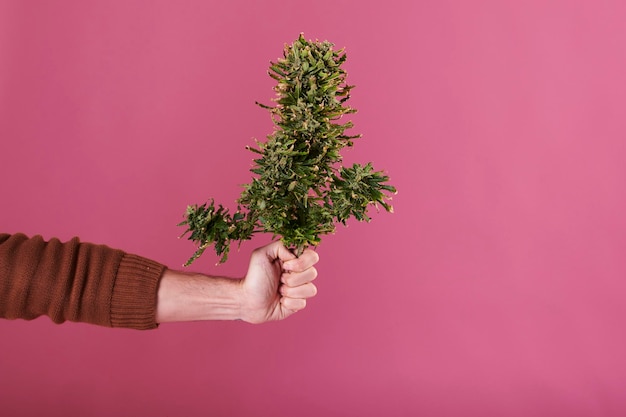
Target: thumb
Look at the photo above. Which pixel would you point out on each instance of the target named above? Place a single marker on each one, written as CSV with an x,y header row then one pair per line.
x,y
278,251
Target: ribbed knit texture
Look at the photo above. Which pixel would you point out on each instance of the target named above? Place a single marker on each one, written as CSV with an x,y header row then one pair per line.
x,y
76,281
133,301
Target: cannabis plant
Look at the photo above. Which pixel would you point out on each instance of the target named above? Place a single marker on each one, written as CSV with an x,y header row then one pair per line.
x,y
300,190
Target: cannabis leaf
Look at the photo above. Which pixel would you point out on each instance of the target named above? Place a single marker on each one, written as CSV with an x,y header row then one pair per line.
x,y
300,190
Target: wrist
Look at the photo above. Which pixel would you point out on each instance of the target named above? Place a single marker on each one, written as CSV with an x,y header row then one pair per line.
x,y
186,296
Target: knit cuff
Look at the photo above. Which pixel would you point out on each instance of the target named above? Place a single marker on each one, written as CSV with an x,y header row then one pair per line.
x,y
134,298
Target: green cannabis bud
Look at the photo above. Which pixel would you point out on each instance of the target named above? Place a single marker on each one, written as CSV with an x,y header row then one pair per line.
x,y
300,190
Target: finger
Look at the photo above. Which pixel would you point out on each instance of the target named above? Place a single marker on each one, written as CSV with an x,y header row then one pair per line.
x,y
303,291
294,279
305,261
293,304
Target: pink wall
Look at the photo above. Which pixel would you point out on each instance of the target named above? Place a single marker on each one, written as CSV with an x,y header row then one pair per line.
x,y
496,289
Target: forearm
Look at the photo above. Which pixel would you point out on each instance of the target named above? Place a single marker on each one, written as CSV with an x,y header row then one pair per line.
x,y
186,296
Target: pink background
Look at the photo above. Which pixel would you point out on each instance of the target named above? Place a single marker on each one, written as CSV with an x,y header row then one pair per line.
x,y
496,289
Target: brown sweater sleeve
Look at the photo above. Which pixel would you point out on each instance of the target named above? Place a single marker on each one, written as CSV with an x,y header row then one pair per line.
x,y
76,281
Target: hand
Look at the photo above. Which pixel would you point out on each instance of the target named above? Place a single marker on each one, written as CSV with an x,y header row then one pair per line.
x,y
276,286
277,283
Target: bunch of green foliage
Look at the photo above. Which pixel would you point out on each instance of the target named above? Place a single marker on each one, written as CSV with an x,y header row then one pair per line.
x,y
300,190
